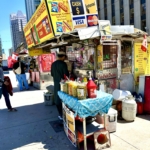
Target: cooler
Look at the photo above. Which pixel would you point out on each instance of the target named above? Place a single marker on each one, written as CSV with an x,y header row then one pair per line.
x,y
110,120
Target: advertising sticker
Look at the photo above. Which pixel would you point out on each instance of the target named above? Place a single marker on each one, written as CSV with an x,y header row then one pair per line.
x,y
39,28
105,30
60,16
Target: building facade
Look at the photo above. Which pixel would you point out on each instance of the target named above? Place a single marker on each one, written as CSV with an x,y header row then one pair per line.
x,y
31,6
0,46
126,12
17,23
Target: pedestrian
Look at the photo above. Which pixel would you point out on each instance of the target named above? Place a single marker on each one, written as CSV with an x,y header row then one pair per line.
x,y
3,84
20,75
58,70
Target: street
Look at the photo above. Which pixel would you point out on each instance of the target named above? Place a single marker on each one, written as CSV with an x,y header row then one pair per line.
x,y
29,128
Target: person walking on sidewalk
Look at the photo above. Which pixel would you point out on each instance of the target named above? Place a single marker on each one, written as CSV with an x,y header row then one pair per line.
x,y
21,77
58,70
3,89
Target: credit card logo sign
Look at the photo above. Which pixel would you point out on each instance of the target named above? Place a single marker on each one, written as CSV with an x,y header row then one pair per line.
x,y
79,22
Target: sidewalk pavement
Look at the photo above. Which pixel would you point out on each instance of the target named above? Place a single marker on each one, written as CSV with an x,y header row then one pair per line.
x,y
29,128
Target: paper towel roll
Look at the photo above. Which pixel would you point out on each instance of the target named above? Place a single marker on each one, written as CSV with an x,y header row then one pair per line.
x,y
120,94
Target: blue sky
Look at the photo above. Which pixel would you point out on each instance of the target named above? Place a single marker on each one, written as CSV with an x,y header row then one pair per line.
x,y
6,8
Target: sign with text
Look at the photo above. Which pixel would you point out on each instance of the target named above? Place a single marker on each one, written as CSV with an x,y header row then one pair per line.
x,y
141,61
60,16
69,124
79,22
39,28
105,30
84,13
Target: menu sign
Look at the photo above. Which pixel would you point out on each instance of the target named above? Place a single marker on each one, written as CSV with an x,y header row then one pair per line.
x,y
69,124
141,61
84,13
60,16
38,29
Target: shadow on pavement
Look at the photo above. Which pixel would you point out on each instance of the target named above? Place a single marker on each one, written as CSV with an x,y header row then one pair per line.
x,y
145,117
31,88
29,128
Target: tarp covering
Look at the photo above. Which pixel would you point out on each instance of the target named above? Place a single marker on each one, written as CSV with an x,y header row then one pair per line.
x,y
88,107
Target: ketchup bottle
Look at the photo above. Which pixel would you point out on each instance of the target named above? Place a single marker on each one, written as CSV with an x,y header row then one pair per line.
x,y
91,88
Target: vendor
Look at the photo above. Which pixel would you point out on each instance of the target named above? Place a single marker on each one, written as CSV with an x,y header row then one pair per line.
x,y
58,70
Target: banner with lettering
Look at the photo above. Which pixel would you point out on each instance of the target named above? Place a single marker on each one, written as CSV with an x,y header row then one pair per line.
x,y
69,124
84,13
38,29
60,16
141,61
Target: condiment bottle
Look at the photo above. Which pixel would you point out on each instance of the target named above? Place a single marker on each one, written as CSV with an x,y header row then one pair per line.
x,y
91,88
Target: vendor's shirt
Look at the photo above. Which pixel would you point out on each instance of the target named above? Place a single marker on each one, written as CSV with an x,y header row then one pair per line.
x,y
58,70
16,65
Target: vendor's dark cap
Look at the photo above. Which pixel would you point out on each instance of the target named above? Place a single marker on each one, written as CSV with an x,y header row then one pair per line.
x,y
61,53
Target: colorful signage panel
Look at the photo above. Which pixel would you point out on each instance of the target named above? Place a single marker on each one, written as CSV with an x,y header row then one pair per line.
x,y
105,30
141,61
69,124
39,28
84,13
60,16
90,6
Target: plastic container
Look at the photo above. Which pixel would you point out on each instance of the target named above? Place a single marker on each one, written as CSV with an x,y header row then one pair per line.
x,y
74,89
63,87
91,88
70,88
120,95
129,109
48,99
140,107
81,91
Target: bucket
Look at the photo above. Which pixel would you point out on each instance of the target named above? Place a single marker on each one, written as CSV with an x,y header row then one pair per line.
x,y
48,99
120,95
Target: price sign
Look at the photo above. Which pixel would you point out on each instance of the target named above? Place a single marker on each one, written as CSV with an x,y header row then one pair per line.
x,y
77,7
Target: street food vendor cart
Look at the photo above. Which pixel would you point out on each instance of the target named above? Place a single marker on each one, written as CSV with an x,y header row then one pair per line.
x,y
75,114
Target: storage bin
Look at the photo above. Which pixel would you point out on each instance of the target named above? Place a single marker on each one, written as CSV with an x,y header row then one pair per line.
x,y
129,109
48,99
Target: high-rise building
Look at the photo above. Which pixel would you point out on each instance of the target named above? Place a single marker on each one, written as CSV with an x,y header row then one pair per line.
x,y
10,51
126,12
17,23
0,46
31,6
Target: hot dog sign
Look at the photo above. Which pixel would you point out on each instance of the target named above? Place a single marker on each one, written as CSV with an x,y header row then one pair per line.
x,y
60,16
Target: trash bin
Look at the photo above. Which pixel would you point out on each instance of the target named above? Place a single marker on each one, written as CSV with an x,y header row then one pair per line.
x,y
50,89
48,99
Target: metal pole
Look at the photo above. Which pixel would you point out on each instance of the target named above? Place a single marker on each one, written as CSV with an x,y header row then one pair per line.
x,y
84,133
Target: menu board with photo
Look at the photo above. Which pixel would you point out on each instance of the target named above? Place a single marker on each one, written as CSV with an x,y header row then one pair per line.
x,y
69,124
141,61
